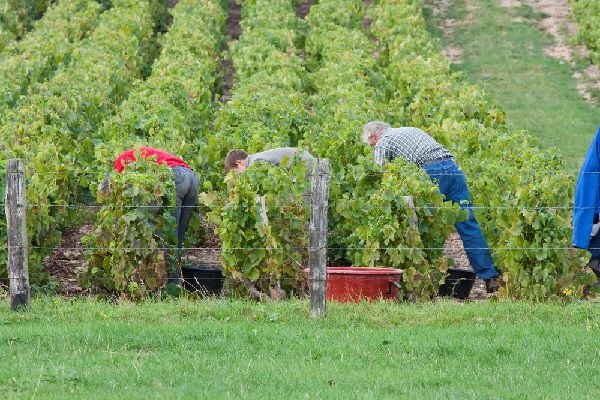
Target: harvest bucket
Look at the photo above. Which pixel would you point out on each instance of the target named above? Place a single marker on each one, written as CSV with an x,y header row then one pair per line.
x,y
458,283
198,278
352,284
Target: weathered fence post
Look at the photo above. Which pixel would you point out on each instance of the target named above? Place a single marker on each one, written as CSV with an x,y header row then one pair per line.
x,y
317,252
16,226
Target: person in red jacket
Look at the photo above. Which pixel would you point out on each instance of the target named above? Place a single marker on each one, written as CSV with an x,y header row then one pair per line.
x,y
186,183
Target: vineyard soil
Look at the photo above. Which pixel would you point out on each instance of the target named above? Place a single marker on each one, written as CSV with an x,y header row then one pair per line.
x,y
233,31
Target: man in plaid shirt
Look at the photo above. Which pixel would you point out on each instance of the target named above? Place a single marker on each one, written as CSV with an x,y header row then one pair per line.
x,y
417,147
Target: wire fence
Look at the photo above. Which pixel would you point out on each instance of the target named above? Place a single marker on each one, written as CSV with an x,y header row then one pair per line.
x,y
202,206
288,251
370,174
83,248
96,207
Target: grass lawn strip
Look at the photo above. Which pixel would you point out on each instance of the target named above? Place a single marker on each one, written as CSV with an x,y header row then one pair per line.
x,y
231,349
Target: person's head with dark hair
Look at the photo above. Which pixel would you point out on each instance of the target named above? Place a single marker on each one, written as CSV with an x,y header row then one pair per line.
x,y
236,159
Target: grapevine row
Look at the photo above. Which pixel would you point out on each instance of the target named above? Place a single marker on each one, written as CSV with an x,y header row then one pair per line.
x,y
369,219
267,104
50,45
173,107
17,17
267,109
169,110
53,128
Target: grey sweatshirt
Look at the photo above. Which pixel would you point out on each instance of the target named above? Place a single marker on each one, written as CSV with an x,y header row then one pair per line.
x,y
276,156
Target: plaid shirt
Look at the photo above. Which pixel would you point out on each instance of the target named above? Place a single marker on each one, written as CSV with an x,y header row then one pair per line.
x,y
411,144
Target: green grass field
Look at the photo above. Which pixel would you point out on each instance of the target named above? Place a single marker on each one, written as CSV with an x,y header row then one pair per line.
x,y
506,58
61,349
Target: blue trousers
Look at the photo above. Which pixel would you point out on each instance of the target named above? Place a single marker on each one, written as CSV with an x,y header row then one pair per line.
x,y
453,185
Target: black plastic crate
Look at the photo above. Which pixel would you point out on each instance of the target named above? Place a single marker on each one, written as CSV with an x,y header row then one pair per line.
x,y
458,283
203,279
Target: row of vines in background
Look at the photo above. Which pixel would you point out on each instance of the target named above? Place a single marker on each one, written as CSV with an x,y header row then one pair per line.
x,y
53,128
169,110
36,57
17,17
173,107
267,104
369,217
259,214
587,15
525,196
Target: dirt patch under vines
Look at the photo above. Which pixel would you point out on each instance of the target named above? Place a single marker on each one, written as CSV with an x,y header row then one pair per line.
x,y
67,260
304,8
234,30
208,251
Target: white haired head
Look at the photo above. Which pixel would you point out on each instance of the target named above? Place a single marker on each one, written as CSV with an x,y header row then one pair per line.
x,y
372,129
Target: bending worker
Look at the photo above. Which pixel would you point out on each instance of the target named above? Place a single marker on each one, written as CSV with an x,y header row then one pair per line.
x,y
186,183
239,160
417,147
586,222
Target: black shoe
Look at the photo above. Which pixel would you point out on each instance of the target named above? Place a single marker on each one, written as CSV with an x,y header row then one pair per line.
x,y
594,265
492,285
174,277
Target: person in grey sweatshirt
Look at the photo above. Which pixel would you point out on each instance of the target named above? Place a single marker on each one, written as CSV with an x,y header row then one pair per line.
x,y
239,160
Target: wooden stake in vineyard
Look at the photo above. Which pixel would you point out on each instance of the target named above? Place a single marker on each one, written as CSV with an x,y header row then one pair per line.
x,y
16,224
317,253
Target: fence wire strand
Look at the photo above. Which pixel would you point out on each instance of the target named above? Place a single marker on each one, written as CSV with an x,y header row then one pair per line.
x,y
371,174
202,206
82,248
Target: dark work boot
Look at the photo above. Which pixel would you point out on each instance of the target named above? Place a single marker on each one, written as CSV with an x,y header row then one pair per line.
x,y
173,287
492,285
174,276
594,264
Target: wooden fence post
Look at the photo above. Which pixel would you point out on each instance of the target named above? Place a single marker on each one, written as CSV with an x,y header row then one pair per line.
x,y
317,252
16,226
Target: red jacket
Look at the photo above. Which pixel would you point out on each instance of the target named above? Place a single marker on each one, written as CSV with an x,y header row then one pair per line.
x,y
162,157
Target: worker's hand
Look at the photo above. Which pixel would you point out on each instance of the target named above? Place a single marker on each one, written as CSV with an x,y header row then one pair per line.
x,y
105,187
595,229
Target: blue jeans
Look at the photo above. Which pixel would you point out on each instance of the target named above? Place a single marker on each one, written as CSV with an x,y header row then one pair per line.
x,y
453,185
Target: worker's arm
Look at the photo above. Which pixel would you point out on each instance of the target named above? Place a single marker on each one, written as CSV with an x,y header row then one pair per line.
x,y
379,155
